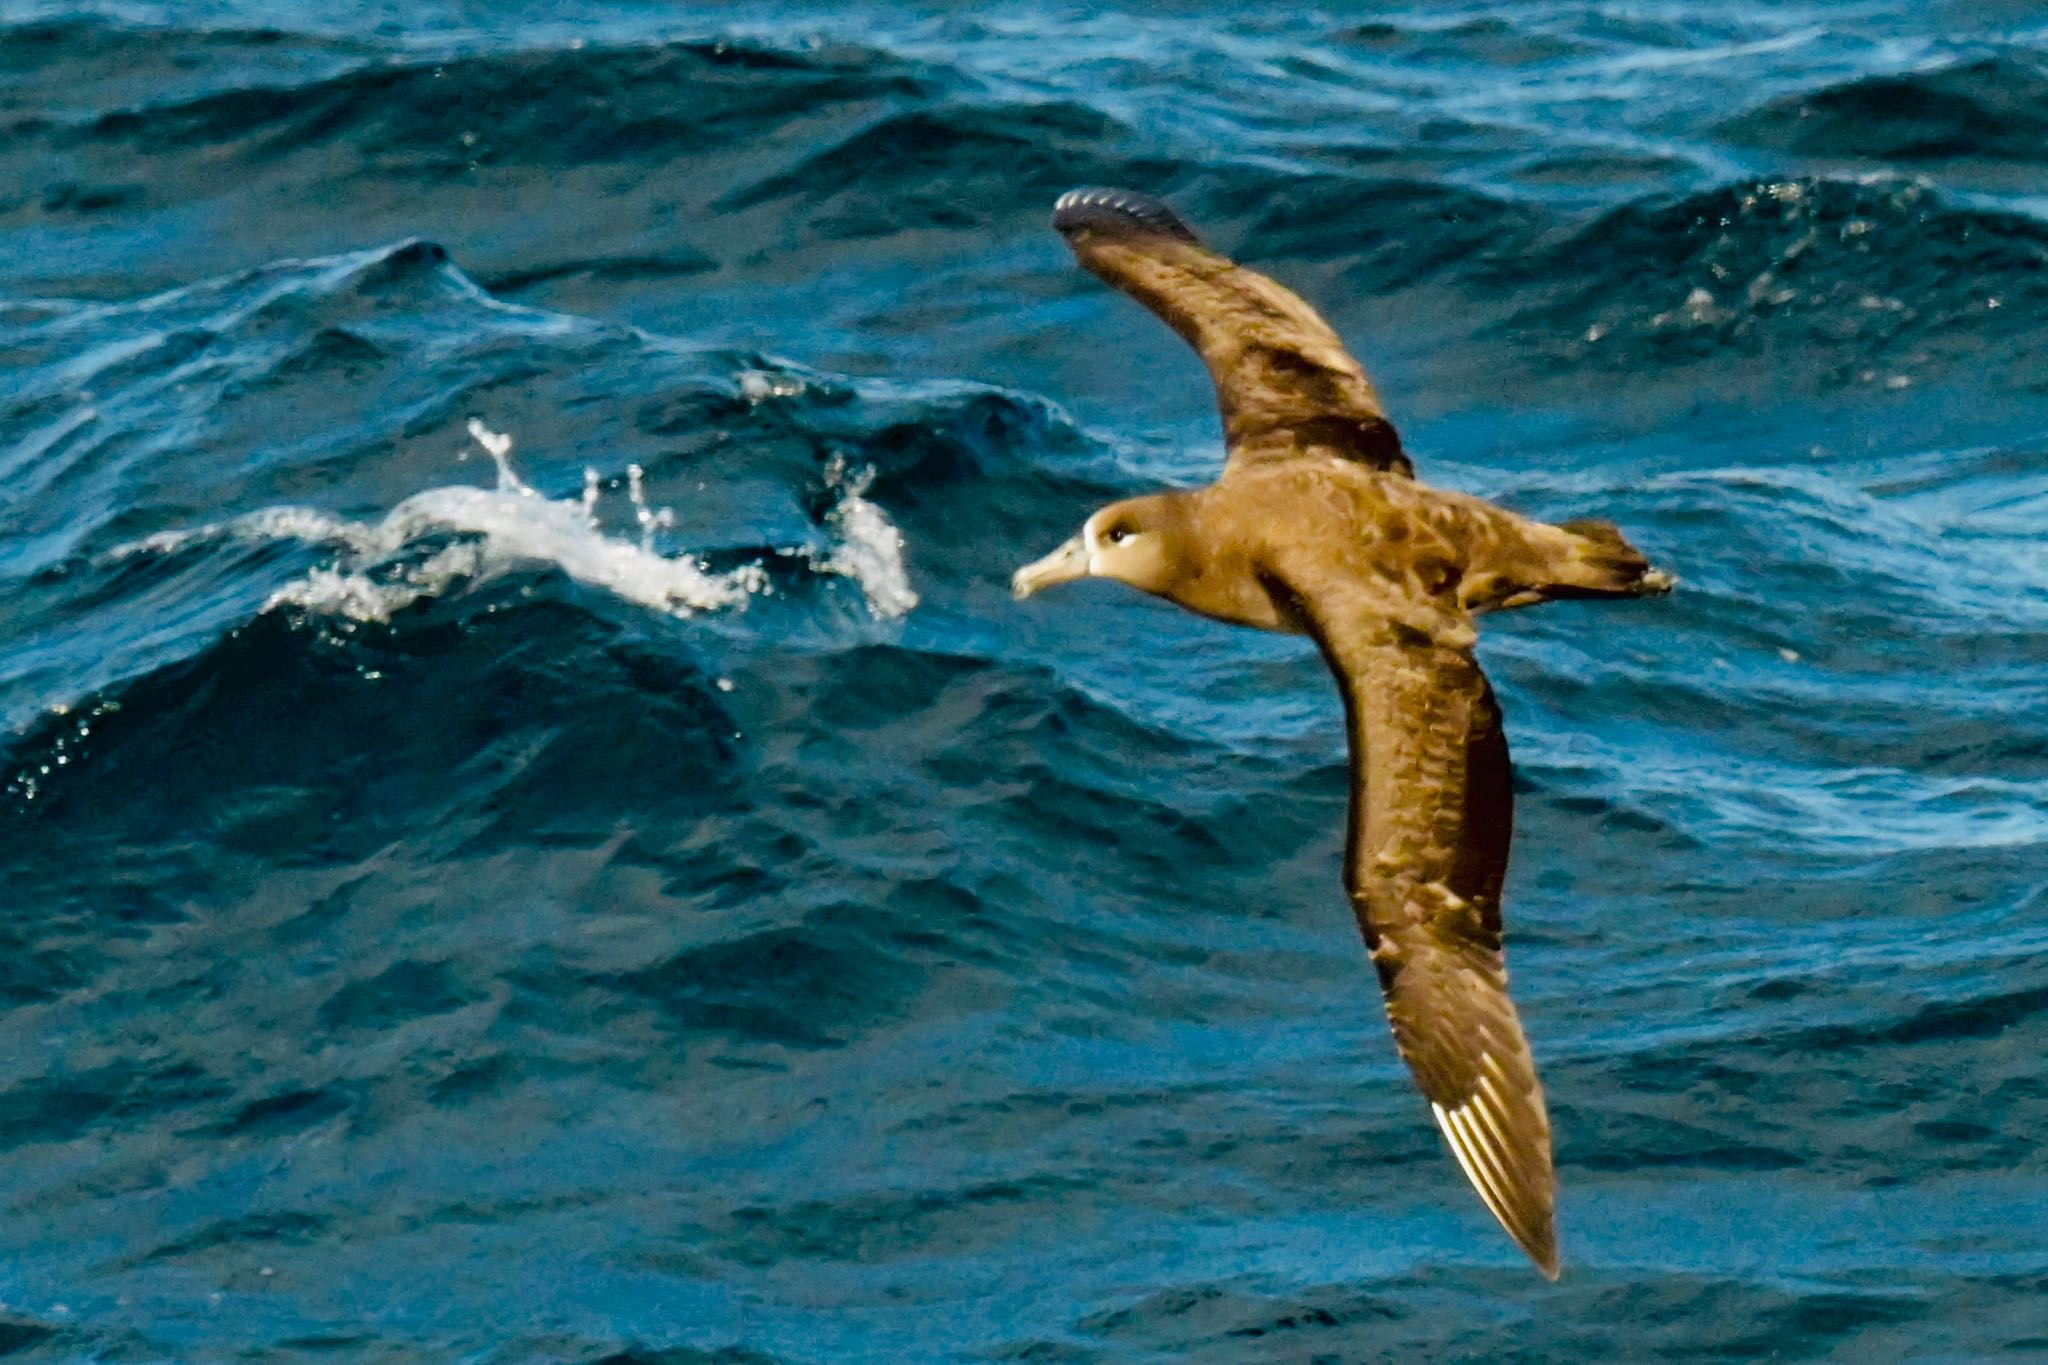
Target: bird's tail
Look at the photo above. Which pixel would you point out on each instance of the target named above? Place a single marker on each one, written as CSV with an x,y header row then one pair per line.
x,y
1603,564
1571,559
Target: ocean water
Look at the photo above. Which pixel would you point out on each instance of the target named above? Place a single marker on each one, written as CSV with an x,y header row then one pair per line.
x,y
531,828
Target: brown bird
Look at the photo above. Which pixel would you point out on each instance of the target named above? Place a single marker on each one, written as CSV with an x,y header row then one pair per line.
x,y
1319,527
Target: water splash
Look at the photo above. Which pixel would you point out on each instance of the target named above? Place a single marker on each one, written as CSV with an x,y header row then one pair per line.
x,y
511,524
380,570
869,548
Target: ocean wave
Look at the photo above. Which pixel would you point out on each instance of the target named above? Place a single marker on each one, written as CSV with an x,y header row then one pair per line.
x,y
1875,281
548,108
956,167
541,704
217,397
1515,42
1928,569
408,555
1823,811
598,867
1992,108
74,68
443,140
756,160
1383,233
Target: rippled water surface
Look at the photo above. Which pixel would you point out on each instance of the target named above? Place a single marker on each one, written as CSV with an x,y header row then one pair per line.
x,y
622,880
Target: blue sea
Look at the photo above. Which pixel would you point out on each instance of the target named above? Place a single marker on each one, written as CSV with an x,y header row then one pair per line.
x,y
531,828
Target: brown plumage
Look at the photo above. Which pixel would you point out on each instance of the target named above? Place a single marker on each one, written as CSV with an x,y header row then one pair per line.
x,y
1317,526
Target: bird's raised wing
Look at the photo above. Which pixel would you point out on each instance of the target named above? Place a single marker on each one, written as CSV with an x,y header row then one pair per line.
x,y
1285,383
1431,810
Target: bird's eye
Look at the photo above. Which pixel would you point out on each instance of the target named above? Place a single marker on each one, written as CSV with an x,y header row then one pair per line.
x,y
1119,534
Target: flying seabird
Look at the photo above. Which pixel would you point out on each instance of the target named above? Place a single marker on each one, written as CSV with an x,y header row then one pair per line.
x,y
1319,527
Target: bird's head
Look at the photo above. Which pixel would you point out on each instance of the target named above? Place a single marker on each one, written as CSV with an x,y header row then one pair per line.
x,y
1138,541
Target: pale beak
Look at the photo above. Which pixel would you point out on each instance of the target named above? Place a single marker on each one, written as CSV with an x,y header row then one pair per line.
x,y
1063,565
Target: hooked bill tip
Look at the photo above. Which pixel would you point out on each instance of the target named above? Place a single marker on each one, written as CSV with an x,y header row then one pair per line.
x,y
1064,565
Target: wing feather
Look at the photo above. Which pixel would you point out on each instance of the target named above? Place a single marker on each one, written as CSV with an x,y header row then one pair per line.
x,y
1284,382
1431,812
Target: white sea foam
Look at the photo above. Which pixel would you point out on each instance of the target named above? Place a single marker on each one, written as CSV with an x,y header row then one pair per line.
x,y
868,548
513,524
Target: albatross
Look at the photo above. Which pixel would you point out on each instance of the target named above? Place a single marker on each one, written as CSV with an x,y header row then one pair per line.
x,y
1319,527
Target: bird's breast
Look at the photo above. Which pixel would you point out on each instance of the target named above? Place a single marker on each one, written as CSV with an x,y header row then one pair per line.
x,y
1239,596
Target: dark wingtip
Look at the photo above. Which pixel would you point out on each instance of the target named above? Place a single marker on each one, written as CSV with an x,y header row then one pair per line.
x,y
1125,211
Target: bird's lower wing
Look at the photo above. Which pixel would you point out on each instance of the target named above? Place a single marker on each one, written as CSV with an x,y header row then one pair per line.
x,y
1431,810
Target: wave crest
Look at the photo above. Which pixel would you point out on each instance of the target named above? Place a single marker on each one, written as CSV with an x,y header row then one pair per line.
x,y
408,555
1996,108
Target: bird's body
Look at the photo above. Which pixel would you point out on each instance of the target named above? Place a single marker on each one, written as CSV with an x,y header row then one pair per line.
x,y
1425,557
1318,526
